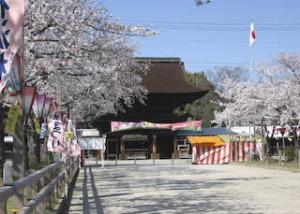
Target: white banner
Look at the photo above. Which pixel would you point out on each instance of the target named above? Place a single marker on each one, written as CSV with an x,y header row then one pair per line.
x,y
56,141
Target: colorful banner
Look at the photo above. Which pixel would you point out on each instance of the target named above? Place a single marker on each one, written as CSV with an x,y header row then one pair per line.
x,y
37,126
44,131
53,109
117,125
72,146
10,124
12,18
56,141
12,79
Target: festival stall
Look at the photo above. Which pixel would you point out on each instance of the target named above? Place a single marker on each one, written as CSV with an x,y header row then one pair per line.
x,y
220,146
247,144
210,150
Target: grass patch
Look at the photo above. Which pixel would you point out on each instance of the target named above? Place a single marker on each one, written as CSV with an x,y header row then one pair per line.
x,y
272,164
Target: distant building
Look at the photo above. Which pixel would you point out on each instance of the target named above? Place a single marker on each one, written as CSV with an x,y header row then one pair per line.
x,y
167,90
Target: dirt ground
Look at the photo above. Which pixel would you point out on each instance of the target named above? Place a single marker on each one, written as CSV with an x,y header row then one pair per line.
x,y
184,188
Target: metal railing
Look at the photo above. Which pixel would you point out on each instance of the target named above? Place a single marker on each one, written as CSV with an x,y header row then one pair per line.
x,y
48,184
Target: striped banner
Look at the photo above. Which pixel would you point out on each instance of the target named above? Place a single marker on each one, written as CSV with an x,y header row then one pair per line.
x,y
212,155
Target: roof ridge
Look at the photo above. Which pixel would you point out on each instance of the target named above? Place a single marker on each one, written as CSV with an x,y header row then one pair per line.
x,y
159,59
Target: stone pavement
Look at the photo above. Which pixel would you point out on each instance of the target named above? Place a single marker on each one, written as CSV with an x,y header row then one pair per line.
x,y
184,188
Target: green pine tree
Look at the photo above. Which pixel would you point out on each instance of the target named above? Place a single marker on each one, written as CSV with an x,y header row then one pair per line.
x,y
202,109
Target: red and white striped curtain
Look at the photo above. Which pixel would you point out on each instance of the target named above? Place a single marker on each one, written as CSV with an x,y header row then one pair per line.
x,y
232,151
212,155
244,150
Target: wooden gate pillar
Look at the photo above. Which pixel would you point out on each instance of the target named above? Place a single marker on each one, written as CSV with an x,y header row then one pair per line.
x,y
122,150
175,151
154,147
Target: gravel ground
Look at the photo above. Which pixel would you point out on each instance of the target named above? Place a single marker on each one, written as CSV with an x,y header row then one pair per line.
x,y
184,188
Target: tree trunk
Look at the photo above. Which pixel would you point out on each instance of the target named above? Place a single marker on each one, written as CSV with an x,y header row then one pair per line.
x,y
18,158
1,144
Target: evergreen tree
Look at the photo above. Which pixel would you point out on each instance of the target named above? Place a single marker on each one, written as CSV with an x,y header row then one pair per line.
x,y
202,109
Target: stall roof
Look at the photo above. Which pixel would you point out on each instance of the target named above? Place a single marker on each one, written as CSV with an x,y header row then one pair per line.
x,y
206,141
187,132
217,131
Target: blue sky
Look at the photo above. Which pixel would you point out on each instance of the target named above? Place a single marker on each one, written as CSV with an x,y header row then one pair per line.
x,y
213,35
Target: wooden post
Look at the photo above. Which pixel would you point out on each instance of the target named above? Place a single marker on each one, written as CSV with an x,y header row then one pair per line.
x,y
299,156
97,156
122,155
3,204
154,147
237,142
2,149
175,151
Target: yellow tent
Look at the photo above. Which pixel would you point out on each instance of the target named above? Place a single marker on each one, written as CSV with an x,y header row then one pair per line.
x,y
206,141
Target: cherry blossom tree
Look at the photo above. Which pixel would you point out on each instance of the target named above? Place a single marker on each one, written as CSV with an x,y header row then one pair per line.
x,y
74,52
274,98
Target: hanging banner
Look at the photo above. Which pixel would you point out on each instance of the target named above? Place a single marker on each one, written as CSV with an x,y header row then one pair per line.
x,y
12,79
12,19
56,141
73,148
53,109
37,126
10,124
193,124
44,131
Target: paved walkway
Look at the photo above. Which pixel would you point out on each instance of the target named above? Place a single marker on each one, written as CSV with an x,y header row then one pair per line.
x,y
184,188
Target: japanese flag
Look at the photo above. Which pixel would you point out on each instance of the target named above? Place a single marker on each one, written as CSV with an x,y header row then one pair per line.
x,y
252,34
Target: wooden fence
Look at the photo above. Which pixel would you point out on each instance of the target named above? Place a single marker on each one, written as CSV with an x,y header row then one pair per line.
x,y
42,188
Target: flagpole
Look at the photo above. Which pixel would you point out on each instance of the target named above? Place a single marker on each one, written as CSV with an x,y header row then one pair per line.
x,y
253,62
252,40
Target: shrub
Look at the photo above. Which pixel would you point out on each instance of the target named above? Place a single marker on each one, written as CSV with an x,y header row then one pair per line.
x,y
289,153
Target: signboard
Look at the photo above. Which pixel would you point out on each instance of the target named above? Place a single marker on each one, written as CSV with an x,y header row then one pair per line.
x,y
92,143
117,125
